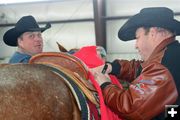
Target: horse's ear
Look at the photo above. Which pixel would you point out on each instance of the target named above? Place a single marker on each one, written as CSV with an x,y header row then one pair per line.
x,y
61,48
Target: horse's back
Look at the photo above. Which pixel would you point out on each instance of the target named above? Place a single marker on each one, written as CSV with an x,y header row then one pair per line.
x,y
34,92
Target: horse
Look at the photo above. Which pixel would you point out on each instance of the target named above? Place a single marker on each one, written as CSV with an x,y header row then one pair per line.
x,y
43,89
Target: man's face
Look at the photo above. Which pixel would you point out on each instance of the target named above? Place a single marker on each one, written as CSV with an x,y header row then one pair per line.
x,y
31,42
144,43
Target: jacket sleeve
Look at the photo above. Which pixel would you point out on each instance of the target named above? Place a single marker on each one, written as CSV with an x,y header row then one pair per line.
x,y
147,95
125,70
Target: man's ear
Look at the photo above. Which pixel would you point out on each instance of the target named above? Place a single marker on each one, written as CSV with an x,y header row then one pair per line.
x,y
153,33
19,41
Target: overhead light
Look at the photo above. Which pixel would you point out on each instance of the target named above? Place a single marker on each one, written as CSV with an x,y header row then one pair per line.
x,y
19,1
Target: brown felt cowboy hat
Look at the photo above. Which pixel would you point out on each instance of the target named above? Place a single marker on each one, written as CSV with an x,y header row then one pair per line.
x,y
149,17
25,24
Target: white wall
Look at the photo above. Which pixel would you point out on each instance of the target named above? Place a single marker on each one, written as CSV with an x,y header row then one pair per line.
x,y
74,35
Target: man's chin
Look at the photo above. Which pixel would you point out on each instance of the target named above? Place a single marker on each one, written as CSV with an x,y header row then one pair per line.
x,y
38,51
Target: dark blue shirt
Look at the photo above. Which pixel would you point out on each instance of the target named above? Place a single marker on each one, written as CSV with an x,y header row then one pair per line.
x,y
19,58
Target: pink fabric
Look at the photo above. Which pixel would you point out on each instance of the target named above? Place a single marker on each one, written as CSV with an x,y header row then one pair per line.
x,y
89,56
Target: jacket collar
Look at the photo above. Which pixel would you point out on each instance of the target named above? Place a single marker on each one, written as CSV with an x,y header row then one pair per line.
x,y
158,51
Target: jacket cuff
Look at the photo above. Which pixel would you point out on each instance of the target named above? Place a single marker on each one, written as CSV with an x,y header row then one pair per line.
x,y
116,67
105,84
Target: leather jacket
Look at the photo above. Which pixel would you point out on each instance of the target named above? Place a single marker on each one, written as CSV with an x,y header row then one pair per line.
x,y
152,86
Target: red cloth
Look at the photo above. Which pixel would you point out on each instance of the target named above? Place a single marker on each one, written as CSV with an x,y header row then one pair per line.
x,y
89,56
106,113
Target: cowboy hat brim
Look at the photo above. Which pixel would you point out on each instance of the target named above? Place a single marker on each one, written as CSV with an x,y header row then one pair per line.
x,y
10,37
128,30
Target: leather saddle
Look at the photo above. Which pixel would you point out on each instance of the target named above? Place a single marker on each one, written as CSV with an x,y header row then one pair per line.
x,y
73,67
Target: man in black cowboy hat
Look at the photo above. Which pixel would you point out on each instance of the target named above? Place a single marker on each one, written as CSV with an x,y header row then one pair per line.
x,y
155,80
26,35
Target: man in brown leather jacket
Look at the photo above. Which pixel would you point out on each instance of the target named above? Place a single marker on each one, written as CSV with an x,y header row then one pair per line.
x,y
154,81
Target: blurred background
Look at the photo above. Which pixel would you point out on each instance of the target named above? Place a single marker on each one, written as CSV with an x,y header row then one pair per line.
x,y
78,23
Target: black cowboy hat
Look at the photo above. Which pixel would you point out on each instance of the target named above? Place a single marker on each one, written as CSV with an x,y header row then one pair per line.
x,y
25,24
149,17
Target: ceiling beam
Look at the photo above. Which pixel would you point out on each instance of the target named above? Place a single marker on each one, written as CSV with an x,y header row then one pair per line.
x,y
54,22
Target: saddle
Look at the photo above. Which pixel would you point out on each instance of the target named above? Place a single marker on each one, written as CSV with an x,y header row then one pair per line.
x,y
73,67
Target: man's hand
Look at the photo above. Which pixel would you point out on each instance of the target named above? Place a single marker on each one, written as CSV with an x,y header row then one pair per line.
x,y
99,69
101,78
